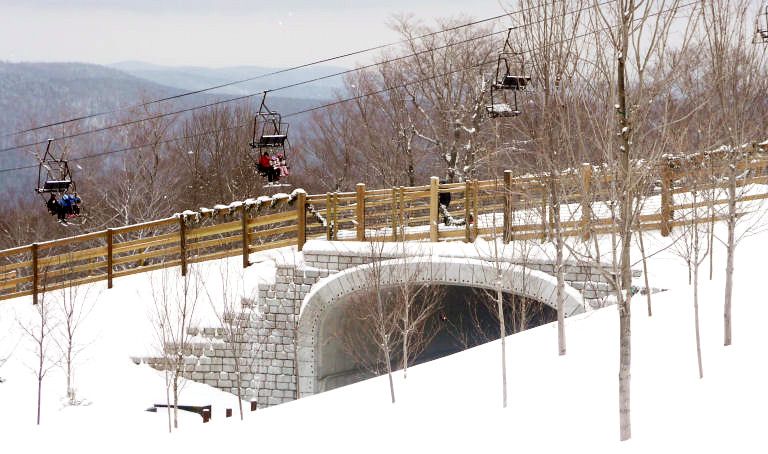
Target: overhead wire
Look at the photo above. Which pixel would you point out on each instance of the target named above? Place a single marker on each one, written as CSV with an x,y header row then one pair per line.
x,y
293,85
357,97
248,96
263,76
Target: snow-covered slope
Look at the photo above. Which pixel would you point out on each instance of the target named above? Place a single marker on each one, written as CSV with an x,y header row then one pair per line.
x,y
556,404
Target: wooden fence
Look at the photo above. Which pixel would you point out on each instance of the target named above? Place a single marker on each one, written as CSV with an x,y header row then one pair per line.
x,y
514,208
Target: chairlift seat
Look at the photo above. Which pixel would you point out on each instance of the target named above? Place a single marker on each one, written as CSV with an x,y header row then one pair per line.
x,y
55,186
510,82
501,110
272,140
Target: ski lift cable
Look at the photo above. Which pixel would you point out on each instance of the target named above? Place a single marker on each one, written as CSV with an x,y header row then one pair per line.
x,y
284,87
527,51
361,96
247,96
138,147
262,76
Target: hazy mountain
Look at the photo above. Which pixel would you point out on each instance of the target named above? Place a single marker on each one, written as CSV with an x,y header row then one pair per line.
x,y
33,94
196,78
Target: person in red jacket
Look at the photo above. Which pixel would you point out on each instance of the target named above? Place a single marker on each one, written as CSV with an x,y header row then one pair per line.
x,y
265,167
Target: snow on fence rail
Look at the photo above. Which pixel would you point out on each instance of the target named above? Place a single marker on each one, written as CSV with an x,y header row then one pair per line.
x,y
511,208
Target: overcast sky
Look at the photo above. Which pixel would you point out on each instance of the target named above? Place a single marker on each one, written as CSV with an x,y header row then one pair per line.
x,y
209,32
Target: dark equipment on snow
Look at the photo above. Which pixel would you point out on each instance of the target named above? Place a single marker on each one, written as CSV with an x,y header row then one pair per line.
x,y
761,25
270,133
510,78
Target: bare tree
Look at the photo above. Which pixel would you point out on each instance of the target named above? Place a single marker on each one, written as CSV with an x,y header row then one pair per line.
x,y
546,38
689,247
39,330
74,303
368,329
172,317
736,80
633,37
416,304
234,309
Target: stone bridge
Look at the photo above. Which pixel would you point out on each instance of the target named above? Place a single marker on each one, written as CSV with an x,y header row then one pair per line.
x,y
296,353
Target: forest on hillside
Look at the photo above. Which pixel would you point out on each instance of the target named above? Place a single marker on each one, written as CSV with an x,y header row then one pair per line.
x,y
692,80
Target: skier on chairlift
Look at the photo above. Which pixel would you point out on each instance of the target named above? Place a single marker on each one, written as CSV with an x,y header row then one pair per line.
x,y
266,167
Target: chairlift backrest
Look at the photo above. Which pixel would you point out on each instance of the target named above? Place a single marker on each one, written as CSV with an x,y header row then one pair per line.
x,y
511,76
761,32
53,174
269,130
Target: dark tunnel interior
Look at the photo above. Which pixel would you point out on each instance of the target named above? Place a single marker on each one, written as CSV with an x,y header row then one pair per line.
x,y
444,320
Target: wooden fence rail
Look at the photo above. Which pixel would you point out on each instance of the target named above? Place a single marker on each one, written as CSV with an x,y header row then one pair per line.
x,y
515,208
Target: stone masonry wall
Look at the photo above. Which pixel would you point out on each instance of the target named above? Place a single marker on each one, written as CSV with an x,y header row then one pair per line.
x,y
264,346
586,278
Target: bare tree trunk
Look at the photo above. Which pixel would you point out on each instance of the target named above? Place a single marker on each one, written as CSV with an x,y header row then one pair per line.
x,y
625,333
696,305
39,389
645,271
503,335
731,252
168,400
175,400
406,332
558,237
385,345
239,387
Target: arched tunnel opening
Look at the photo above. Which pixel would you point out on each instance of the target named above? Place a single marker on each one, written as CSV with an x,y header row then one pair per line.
x,y
423,323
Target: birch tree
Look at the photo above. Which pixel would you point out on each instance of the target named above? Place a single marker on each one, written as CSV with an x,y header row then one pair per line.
x,y
632,38
39,331
234,309
690,247
172,317
736,80
74,304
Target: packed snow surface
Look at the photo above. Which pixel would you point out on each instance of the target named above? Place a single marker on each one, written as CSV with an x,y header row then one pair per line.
x,y
556,403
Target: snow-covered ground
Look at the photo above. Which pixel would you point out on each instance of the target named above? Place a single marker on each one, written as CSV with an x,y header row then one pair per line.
x,y
556,404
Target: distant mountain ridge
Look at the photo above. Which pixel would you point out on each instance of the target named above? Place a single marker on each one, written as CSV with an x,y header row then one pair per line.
x,y
33,94
196,78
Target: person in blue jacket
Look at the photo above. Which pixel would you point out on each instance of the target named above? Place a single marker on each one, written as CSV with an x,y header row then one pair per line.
x,y
69,206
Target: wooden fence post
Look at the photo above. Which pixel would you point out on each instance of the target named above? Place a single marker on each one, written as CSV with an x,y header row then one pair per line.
x,y
335,225
245,235
434,214
183,244
586,200
301,224
507,230
401,212
35,273
394,213
110,246
666,200
328,216
360,211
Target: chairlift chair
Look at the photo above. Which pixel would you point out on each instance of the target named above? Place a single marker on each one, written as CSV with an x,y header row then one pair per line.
x,y
269,130
761,25
511,77
54,177
270,133
53,174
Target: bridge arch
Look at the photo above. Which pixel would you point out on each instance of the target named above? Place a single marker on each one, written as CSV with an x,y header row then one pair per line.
x,y
476,273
